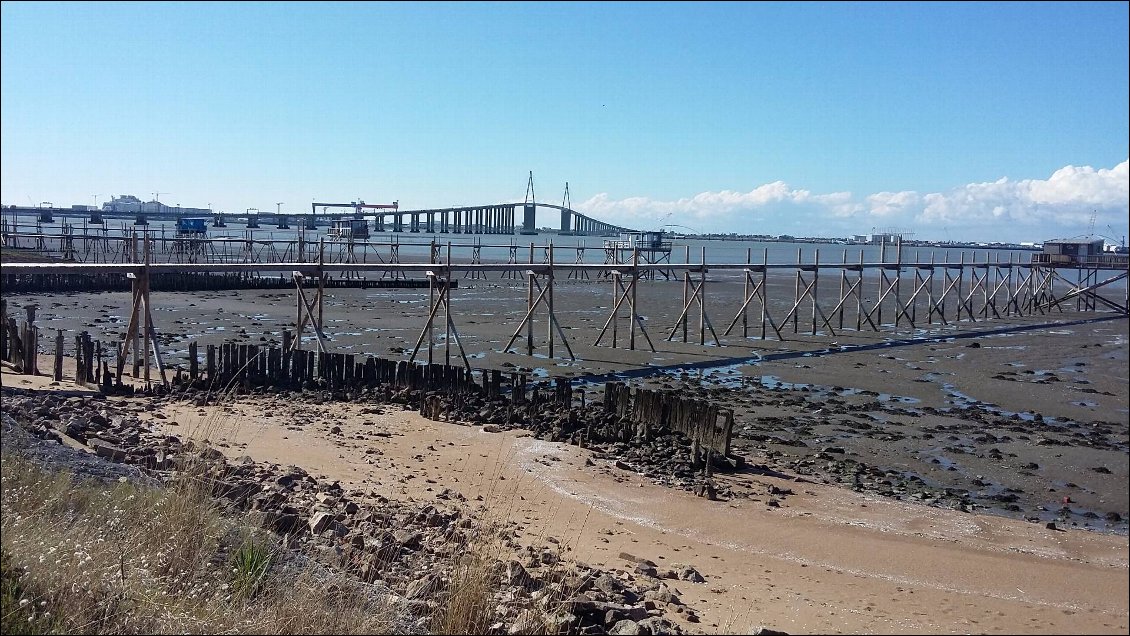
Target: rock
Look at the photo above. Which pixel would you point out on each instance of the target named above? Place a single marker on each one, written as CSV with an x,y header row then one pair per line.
x,y
528,622
408,538
559,622
237,492
210,454
626,627
583,604
662,595
321,522
659,626
516,575
491,428
105,449
687,573
765,631
635,559
608,584
282,523
423,587
647,570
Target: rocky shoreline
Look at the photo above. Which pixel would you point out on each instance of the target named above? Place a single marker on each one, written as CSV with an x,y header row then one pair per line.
x,y
375,538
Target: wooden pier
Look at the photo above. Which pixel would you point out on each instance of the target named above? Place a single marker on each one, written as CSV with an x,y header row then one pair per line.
x,y
823,297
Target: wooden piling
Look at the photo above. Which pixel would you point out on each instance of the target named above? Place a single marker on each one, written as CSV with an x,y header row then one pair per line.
x,y
58,376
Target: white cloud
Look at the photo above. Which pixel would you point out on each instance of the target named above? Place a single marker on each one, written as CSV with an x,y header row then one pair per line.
x,y
1001,210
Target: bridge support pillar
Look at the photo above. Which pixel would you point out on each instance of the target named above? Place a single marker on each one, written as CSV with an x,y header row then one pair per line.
x,y
529,213
566,221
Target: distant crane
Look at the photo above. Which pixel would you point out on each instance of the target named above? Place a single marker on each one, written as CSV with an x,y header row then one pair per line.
x,y
1091,229
1121,242
686,227
157,199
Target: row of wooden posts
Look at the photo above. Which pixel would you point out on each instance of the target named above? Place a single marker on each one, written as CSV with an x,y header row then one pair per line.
x,y
641,412
647,410
19,344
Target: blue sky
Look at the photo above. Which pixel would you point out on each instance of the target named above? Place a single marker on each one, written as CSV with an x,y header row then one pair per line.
x,y
955,121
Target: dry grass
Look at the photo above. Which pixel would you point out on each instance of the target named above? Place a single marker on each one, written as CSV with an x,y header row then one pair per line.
x,y
122,559
94,558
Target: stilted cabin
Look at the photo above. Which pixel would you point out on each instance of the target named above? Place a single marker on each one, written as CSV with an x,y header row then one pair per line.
x,y
654,248
1078,252
192,227
657,241
349,229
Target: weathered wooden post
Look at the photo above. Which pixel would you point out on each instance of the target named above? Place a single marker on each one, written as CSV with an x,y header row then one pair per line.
x,y
193,363
3,329
211,364
80,367
58,355
30,340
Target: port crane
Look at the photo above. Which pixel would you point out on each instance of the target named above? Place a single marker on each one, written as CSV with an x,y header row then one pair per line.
x,y
357,206
1121,242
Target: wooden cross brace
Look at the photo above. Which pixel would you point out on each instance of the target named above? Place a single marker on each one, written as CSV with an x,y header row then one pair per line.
x,y
307,313
613,316
808,292
544,297
443,301
141,322
758,292
697,293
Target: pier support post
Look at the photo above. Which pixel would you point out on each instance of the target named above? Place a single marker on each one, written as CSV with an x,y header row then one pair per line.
x,y
543,297
307,314
141,325
692,294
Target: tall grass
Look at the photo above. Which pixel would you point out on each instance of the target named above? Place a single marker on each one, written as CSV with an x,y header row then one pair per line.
x,y
103,559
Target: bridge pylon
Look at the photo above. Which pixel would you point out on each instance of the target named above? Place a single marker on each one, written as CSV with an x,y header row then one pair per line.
x,y
529,208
